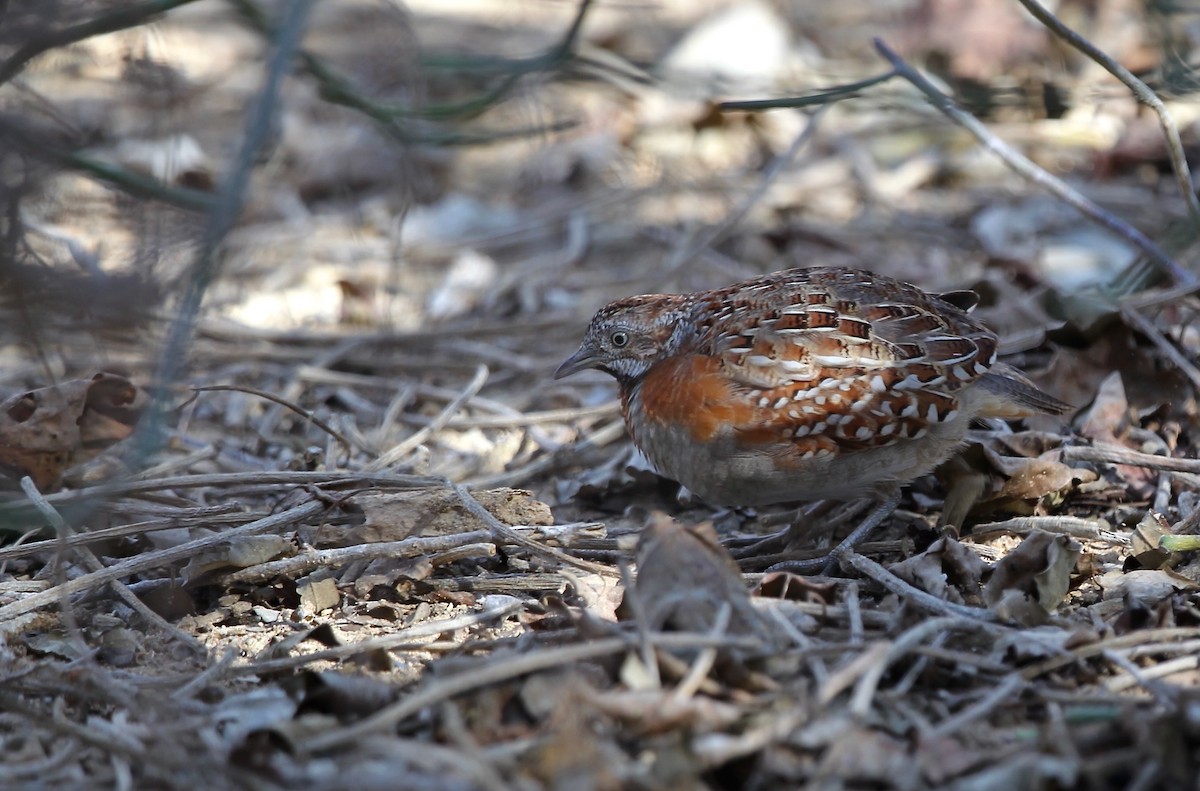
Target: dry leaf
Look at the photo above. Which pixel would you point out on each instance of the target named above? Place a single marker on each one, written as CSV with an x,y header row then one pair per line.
x,y
1149,586
43,432
947,569
1030,582
318,591
685,577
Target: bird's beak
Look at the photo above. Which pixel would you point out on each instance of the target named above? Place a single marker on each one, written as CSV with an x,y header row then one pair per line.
x,y
577,362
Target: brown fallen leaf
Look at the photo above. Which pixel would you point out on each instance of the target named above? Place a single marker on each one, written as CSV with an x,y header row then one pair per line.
x,y
45,431
1028,583
1108,421
685,577
1015,473
947,569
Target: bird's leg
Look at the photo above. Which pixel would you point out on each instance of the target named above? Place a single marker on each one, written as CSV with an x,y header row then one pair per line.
x,y
824,565
793,534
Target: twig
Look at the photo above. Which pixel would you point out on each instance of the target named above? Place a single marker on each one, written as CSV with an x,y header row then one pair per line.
x,y
61,531
951,725
398,452
309,561
119,19
204,268
402,638
299,410
1121,641
1115,454
1026,168
641,623
597,439
150,560
336,89
1148,678
920,598
507,534
1093,530
236,479
494,671
709,236
1148,328
864,690
92,562
821,97
1141,92
129,181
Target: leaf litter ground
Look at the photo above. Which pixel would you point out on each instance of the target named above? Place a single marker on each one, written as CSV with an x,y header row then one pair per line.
x,y
384,549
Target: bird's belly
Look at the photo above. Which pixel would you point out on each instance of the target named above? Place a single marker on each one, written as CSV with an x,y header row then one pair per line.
x,y
722,473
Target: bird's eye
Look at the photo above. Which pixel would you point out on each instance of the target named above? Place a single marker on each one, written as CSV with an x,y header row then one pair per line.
x,y
619,338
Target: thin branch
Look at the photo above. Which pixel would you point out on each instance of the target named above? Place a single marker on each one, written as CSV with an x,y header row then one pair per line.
x,y
120,19
149,560
1115,454
1026,168
299,410
204,269
827,96
1141,92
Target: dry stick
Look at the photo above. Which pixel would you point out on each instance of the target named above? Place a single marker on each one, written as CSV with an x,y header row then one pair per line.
x,y
1092,530
405,638
1141,92
1026,168
439,689
710,236
299,410
597,439
62,531
54,518
120,19
511,536
864,690
1118,455
293,389
1095,649
641,621
1148,678
308,561
401,450
920,598
107,740
208,676
220,221
496,670
241,479
952,725
150,560
1148,328
533,418
697,673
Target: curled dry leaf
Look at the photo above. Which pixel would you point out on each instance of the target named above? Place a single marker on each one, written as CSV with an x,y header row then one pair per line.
x,y
1146,541
1030,582
1015,473
45,431
685,577
1148,586
947,569
1107,421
